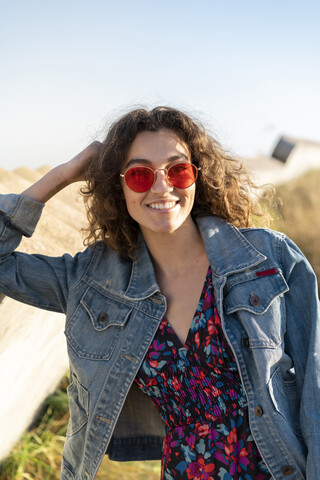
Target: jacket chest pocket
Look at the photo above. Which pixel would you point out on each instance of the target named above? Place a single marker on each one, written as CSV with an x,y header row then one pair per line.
x,y
257,302
96,325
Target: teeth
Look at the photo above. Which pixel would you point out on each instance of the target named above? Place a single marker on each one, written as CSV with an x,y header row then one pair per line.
x,y
162,206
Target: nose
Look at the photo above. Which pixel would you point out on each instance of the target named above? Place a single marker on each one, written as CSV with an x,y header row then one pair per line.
x,y
161,181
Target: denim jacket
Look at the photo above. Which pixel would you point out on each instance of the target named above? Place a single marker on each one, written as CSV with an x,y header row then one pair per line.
x,y
266,295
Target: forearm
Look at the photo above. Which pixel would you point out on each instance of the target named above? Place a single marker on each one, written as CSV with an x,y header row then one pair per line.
x,y
45,188
63,175
45,289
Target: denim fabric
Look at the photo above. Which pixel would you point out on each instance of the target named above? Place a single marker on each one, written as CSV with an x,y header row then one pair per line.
x,y
266,295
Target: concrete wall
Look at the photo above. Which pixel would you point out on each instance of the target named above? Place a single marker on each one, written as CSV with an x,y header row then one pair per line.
x,y
32,361
33,355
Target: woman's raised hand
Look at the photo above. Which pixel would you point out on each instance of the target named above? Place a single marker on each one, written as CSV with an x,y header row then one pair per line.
x,y
76,167
64,174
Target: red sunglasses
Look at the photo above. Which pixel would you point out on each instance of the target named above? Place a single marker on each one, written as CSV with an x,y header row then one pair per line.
x,y
180,175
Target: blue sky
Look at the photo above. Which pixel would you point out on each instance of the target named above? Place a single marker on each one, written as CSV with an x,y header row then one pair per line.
x,y
250,70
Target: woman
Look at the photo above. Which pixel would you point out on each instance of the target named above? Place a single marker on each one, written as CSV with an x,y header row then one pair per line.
x,y
172,309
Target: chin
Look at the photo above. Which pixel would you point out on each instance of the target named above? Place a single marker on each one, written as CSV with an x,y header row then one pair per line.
x,y
161,229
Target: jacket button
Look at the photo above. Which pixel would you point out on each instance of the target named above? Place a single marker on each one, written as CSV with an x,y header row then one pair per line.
x,y
245,342
102,318
258,411
287,470
254,300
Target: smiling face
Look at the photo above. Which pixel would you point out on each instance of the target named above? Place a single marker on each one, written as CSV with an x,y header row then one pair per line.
x,y
163,208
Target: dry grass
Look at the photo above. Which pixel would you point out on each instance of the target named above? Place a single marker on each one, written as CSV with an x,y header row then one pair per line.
x,y
299,215
129,470
37,456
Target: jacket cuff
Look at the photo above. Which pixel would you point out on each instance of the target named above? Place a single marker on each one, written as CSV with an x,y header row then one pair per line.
x,y
21,212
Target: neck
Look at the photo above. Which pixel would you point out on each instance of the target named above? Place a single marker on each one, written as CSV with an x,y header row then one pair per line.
x,y
172,253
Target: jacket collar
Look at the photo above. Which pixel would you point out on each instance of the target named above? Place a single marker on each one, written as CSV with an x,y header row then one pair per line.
x,y
142,283
227,249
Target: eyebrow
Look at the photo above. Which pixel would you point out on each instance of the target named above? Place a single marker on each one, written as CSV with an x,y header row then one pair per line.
x,y
145,161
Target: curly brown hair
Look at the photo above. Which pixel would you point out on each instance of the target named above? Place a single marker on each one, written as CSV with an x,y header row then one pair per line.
x,y
223,187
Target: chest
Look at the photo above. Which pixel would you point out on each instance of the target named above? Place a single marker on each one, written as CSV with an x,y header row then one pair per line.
x,y
183,294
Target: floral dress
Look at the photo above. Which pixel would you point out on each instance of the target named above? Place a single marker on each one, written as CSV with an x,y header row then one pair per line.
x,y
197,389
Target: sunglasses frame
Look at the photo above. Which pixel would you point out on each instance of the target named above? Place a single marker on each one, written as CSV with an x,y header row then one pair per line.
x,y
166,170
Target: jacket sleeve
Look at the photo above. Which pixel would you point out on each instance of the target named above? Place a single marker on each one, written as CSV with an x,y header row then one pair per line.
x,y
34,279
302,343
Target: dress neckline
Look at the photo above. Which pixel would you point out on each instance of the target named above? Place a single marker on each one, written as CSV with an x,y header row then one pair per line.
x,y
177,340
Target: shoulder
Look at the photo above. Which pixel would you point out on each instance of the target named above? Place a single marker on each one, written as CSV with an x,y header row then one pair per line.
x,y
264,238
104,266
224,236
101,254
277,245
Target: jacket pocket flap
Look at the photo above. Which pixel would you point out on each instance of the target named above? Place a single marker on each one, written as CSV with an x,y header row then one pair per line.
x,y
103,311
255,294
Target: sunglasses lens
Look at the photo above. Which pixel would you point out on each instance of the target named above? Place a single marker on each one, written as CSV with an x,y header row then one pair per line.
x,y
139,179
182,175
